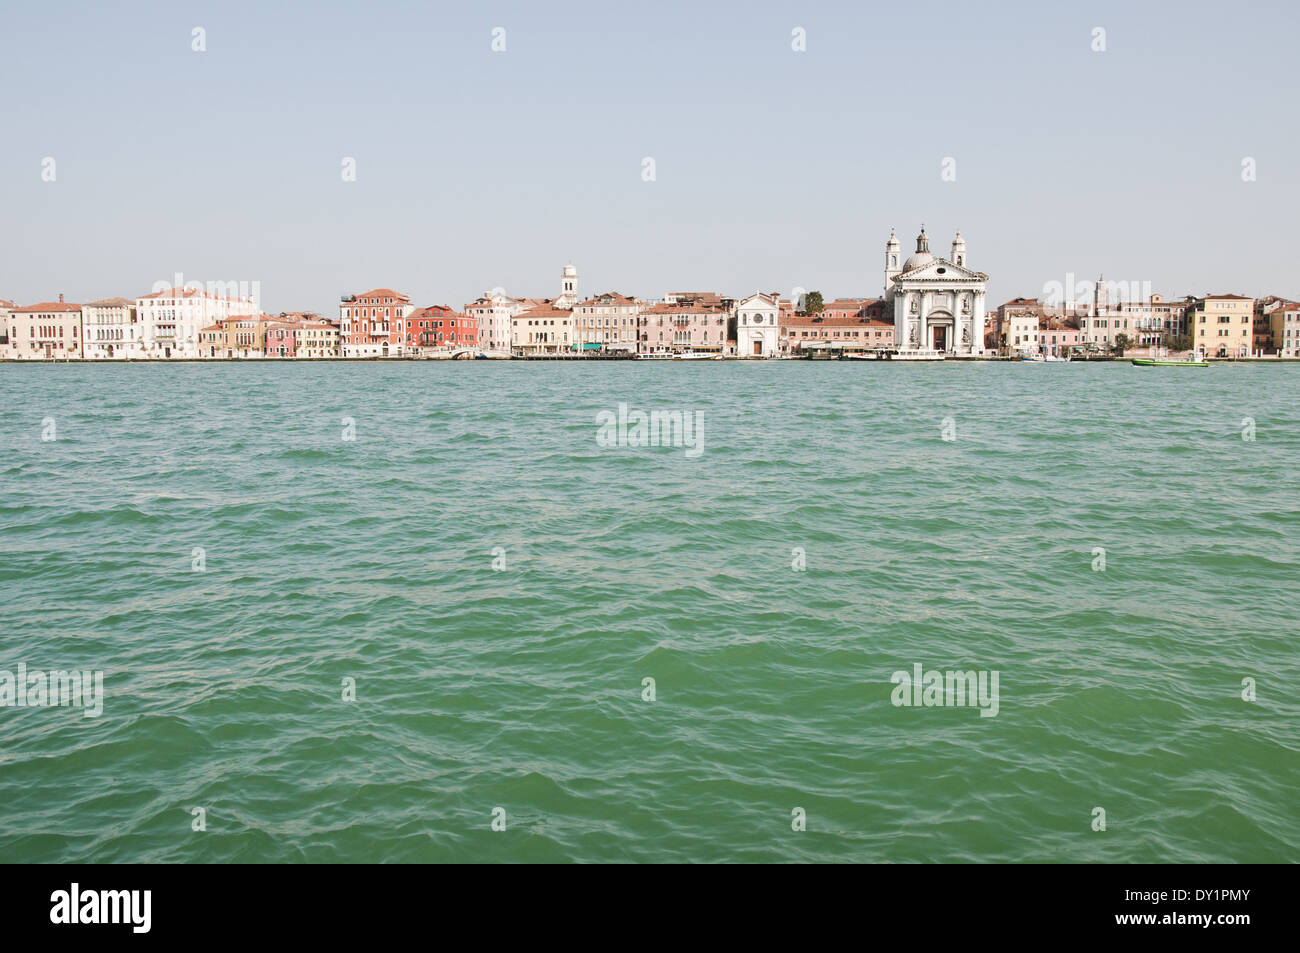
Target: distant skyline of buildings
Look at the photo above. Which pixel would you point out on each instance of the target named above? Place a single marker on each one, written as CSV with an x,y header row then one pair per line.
x,y
930,305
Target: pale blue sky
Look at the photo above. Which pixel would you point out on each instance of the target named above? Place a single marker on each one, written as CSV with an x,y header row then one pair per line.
x,y
478,169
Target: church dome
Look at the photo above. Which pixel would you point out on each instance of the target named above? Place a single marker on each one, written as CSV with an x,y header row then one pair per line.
x,y
917,259
922,254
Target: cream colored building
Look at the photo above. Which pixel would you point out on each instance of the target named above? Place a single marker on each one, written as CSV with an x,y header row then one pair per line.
x,y
609,320
170,319
316,339
47,331
1222,325
1285,323
112,329
542,330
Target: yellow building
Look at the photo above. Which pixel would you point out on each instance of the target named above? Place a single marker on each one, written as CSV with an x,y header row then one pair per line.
x,y
317,339
1222,325
542,330
241,335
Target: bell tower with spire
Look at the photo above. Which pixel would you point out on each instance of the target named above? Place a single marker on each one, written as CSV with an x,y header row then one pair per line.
x,y
892,259
958,250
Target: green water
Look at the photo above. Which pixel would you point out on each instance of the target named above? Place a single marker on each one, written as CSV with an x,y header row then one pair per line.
x,y
521,687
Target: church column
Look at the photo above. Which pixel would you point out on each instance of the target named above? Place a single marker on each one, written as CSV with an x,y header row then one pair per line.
x,y
922,343
977,324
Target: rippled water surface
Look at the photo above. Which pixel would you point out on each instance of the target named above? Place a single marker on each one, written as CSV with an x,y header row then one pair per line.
x,y
522,688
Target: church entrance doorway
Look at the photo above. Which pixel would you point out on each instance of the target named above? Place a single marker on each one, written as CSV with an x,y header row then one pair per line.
x,y
940,337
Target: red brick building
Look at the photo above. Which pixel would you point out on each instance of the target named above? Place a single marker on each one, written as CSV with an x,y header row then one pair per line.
x,y
440,326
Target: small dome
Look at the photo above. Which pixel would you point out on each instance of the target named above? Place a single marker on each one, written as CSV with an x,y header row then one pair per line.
x,y
922,254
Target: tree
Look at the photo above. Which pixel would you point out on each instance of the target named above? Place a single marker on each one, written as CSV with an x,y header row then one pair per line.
x,y
812,303
1121,342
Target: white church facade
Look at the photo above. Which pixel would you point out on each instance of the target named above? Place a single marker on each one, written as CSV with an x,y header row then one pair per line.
x,y
937,303
758,333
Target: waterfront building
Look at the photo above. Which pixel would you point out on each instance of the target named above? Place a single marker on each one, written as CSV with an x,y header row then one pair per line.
x,y
1265,341
758,331
1016,325
937,303
1222,325
1144,323
440,326
543,330
493,310
238,336
1284,329
282,337
686,327
855,324
170,319
51,330
112,329
1057,336
491,314
371,324
607,322
316,339
5,308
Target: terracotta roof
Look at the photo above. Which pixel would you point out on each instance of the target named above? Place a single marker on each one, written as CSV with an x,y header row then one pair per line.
x,y
435,310
831,321
47,306
545,311
382,293
616,300
1209,297
686,307
109,302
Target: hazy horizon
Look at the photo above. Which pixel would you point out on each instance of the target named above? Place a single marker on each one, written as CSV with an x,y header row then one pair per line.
x,y
774,169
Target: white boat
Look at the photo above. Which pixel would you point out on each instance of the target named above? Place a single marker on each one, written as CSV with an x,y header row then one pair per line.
x,y
919,356
693,357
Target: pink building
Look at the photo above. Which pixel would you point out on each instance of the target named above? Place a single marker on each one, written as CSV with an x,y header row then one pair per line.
x,y
688,327
1057,337
281,337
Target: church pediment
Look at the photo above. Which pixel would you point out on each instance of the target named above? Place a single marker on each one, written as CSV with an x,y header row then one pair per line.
x,y
941,269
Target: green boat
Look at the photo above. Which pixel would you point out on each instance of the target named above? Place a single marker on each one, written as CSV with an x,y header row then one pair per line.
x,y
1157,362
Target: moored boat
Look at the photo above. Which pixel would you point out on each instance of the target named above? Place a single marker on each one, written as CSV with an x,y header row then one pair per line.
x,y
1162,362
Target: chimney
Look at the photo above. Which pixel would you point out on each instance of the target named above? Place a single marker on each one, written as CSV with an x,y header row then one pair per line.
x,y
60,297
